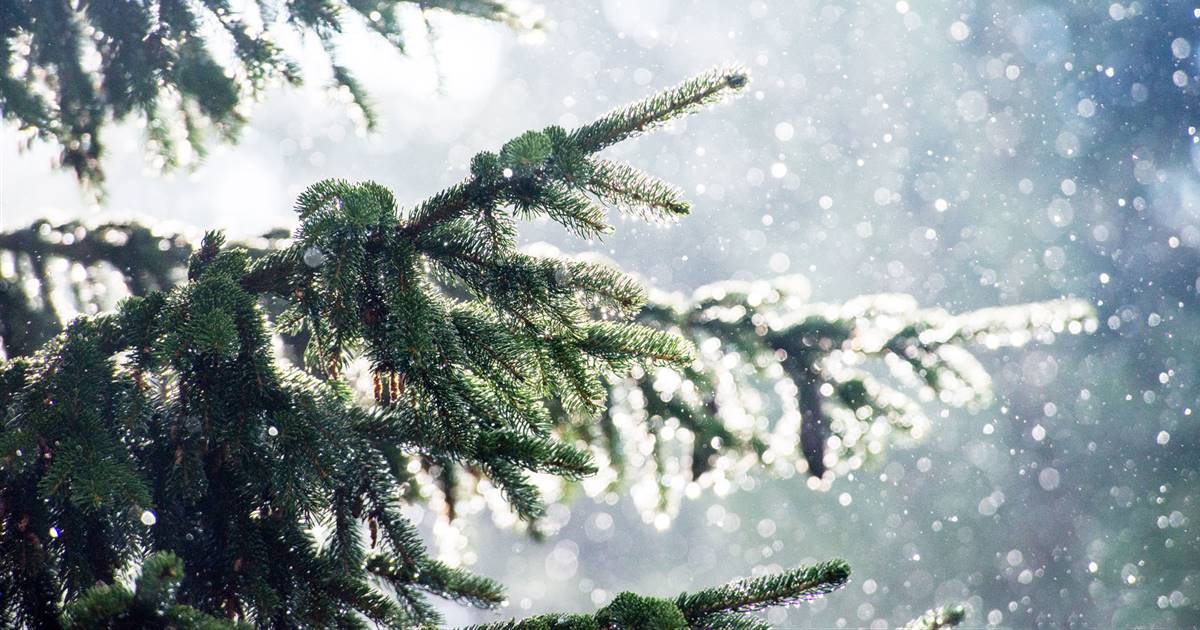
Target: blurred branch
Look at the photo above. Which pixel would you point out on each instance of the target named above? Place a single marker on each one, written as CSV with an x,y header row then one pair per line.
x,y
154,62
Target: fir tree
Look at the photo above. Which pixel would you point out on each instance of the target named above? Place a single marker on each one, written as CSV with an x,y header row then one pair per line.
x,y
159,64
168,425
166,435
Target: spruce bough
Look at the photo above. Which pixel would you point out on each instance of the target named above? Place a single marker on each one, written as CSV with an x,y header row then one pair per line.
x,y
166,434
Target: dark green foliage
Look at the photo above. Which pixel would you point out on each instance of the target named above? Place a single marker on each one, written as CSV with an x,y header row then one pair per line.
x,y
628,610
150,606
781,589
718,608
157,63
172,447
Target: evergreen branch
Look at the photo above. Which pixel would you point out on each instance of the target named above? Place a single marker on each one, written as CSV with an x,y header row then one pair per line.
x,y
275,273
344,79
635,192
640,117
605,287
552,621
521,495
533,173
446,205
460,586
535,453
784,589
520,172
440,579
719,607
746,330
731,621
572,209
145,261
616,342
150,605
154,63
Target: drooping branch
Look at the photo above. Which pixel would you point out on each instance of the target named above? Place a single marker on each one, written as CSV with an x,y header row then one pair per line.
x,y
156,63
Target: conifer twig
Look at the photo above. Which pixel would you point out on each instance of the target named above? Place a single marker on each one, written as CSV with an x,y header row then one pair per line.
x,y
635,119
723,607
781,589
591,138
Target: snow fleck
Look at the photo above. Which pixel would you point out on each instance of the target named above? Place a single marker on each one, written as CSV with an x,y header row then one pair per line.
x,y
314,257
1048,479
972,106
1181,48
1060,212
959,31
1067,144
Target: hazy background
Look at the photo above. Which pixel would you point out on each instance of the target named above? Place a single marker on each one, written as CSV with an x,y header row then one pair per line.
x,y
969,152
